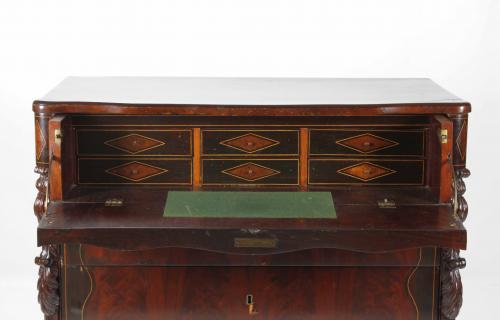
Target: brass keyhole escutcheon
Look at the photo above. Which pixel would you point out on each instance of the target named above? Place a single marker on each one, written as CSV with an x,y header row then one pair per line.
x,y
251,305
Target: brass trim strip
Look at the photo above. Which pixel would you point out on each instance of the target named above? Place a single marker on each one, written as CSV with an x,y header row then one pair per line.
x,y
304,163
196,173
417,309
90,281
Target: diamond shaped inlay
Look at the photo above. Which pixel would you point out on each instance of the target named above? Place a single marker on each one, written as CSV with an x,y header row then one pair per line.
x,y
249,143
134,143
366,171
250,172
136,171
462,140
367,143
41,142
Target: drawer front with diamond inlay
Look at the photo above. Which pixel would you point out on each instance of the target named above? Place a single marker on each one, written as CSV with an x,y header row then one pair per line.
x,y
134,171
367,142
250,171
250,142
359,171
95,142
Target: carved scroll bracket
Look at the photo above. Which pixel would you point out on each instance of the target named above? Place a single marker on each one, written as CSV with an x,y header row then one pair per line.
x,y
451,282
48,260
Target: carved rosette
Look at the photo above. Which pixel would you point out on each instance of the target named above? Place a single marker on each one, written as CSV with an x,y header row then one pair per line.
x,y
48,273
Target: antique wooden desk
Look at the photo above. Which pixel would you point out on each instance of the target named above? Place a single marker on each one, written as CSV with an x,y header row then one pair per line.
x,y
391,152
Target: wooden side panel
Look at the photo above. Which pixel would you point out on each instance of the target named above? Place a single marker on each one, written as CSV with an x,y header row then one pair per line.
x,y
445,137
59,130
354,293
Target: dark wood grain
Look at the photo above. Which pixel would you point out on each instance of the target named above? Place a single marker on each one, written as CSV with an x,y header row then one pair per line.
x,y
278,293
358,227
368,144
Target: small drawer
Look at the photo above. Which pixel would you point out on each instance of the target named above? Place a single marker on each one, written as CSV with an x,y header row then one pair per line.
x,y
95,142
366,142
250,171
134,171
250,142
386,172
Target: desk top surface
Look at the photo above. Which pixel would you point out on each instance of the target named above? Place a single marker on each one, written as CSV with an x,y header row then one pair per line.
x,y
249,91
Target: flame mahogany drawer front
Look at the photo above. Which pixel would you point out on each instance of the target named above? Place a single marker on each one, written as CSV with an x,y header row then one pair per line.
x,y
250,171
134,171
379,142
250,142
97,142
359,171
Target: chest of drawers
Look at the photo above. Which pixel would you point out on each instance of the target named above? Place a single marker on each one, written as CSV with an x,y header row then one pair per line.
x,y
391,152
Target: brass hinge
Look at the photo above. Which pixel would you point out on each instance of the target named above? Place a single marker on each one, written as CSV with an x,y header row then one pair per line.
x,y
113,202
58,136
386,204
444,136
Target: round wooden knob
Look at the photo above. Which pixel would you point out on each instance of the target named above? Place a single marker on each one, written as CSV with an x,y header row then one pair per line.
x,y
250,143
367,144
250,172
135,142
367,171
135,171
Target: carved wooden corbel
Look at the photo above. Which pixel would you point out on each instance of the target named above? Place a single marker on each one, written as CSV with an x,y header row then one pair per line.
x,y
48,261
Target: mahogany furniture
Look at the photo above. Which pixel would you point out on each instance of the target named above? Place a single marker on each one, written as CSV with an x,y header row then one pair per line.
x,y
390,151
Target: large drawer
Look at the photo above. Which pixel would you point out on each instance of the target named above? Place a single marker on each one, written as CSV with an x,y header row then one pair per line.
x,y
250,142
359,171
241,293
250,171
134,171
95,142
366,142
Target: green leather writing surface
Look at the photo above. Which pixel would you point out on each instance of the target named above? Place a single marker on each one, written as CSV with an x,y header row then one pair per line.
x,y
242,204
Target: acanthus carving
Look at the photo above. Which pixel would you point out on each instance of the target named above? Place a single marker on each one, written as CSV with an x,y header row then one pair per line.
x,y
461,206
48,281
451,262
48,260
42,184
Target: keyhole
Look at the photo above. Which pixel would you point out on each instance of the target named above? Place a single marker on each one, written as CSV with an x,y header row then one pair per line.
x,y
251,305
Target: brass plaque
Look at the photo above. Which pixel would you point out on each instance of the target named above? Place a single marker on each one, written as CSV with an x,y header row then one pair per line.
x,y
255,242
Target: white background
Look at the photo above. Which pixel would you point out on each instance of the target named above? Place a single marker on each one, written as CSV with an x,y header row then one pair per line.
x,y
454,42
